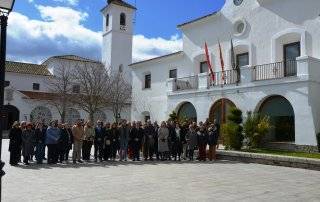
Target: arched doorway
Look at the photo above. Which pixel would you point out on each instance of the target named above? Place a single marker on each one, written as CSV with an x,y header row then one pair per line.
x,y
72,116
11,114
282,118
220,110
41,115
187,112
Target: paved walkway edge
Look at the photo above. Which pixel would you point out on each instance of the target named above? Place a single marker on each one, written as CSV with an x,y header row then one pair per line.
x,y
269,159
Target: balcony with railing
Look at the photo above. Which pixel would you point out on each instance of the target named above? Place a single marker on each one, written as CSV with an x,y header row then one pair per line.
x,y
302,68
274,70
186,83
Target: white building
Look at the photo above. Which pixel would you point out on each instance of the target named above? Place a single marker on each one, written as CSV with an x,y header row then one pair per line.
x,y
276,45
27,97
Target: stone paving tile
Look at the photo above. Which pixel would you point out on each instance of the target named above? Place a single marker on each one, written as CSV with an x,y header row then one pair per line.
x,y
138,181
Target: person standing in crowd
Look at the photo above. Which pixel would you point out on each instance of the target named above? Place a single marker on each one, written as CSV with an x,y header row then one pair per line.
x,y
183,141
100,132
40,137
192,141
213,136
114,132
15,144
202,142
78,134
63,144
28,137
156,128
178,143
52,138
88,138
70,142
107,143
135,142
148,141
163,146
172,138
124,139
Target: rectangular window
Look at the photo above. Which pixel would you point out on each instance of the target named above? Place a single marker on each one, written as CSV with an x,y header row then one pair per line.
x,y
36,86
242,59
204,67
147,81
76,88
173,74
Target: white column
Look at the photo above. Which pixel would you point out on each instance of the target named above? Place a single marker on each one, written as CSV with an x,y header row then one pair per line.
x,y
303,67
203,80
171,85
246,74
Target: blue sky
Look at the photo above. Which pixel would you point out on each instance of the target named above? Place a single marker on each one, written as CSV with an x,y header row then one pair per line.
x,y
42,28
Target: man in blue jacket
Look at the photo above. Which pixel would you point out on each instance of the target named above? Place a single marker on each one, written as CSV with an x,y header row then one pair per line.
x,y
52,138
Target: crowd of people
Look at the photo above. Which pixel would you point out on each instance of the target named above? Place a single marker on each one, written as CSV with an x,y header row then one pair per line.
x,y
117,141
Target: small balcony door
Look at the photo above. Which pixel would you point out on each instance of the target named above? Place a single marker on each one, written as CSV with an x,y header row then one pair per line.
x,y
290,53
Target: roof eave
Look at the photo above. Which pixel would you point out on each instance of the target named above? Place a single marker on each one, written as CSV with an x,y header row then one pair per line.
x,y
197,20
178,53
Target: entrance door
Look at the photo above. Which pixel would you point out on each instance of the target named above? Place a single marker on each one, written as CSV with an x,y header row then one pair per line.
x,y
290,53
11,114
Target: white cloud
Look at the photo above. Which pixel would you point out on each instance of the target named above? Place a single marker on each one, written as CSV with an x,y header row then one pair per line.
x,y
70,2
60,31
146,48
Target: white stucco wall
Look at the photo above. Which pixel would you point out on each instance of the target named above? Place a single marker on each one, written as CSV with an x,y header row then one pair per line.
x,y
25,82
269,25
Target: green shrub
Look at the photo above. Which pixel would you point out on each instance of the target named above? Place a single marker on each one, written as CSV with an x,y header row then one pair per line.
x,y
255,128
318,140
232,130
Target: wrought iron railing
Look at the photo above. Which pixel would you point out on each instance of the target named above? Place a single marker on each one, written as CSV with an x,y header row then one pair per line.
x,y
274,70
227,77
186,83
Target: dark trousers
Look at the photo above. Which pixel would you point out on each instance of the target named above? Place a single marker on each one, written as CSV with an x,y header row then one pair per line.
x,y
98,150
86,149
15,156
148,151
40,152
191,153
136,151
114,149
52,153
202,152
107,153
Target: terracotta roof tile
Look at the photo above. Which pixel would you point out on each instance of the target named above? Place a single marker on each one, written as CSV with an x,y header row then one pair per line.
x,y
27,68
38,95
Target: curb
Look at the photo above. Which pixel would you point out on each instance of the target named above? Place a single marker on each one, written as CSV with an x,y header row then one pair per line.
x,y
269,159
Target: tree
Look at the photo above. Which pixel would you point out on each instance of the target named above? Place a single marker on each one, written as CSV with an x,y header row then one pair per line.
x,y
255,128
94,82
60,87
119,95
232,130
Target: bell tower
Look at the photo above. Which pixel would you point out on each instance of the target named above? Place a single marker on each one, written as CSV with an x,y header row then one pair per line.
x,y
117,36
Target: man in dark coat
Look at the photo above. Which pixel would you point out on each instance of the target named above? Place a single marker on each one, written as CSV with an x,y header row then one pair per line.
x,y
115,141
40,135
156,135
15,144
98,141
148,141
63,143
107,147
135,136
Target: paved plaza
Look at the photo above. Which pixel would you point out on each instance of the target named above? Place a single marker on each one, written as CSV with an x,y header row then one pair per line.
x,y
157,181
